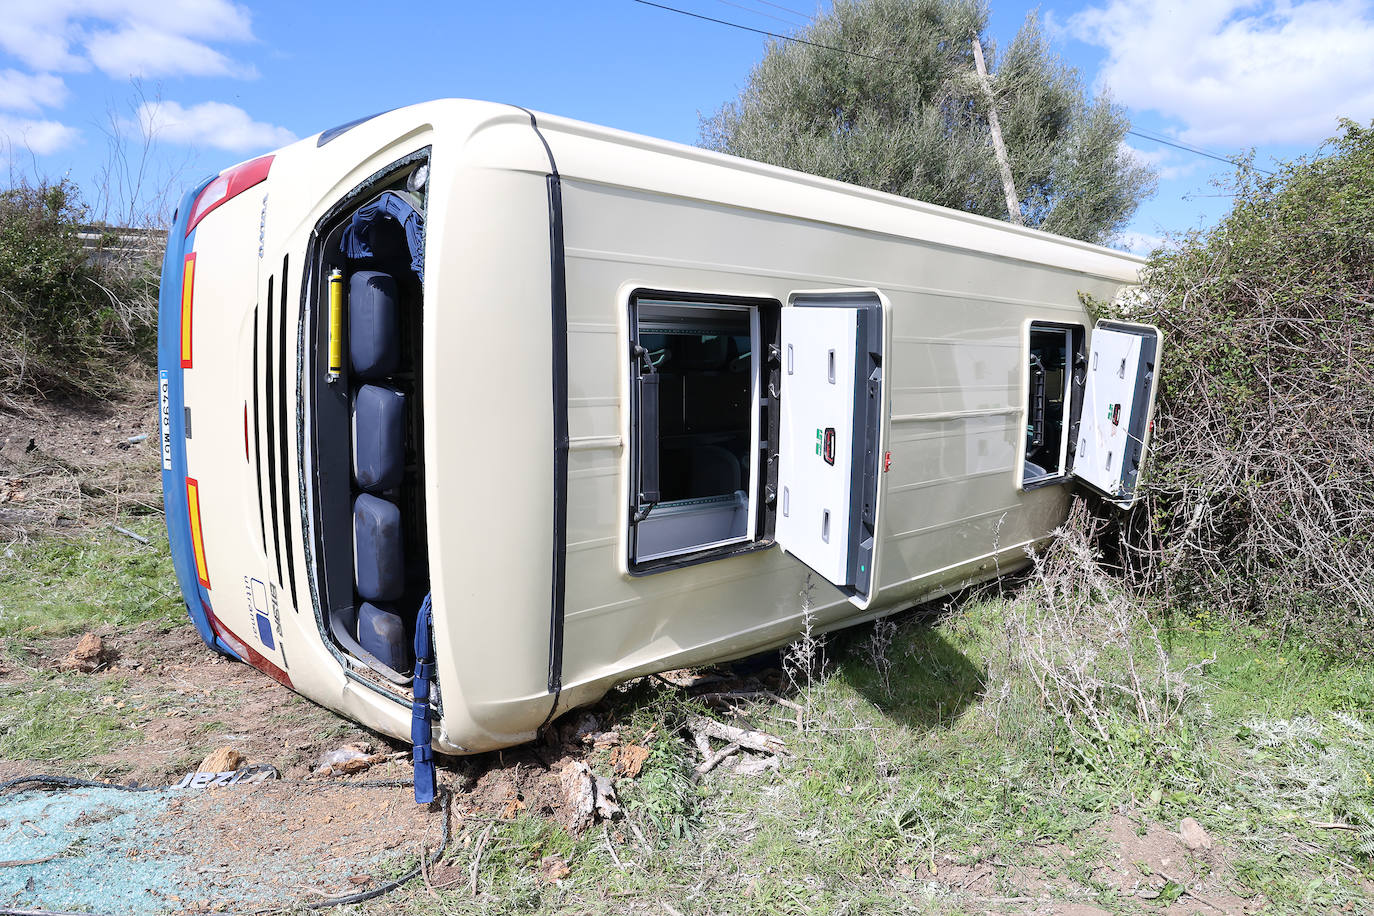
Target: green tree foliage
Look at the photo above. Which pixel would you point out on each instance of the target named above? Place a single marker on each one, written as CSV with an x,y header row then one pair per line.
x,y
1260,496
67,323
914,122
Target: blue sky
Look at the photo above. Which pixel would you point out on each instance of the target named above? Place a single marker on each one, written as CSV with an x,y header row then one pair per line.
x,y
219,81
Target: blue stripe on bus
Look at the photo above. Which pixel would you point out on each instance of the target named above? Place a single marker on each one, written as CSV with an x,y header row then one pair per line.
x,y
172,409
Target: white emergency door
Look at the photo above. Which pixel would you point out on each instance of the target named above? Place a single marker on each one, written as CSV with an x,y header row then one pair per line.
x,y
827,450
1118,396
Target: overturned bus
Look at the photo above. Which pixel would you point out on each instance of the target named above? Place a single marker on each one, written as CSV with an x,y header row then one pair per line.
x,y
590,405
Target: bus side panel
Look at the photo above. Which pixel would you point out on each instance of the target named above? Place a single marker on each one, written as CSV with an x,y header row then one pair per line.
x,y
489,448
954,417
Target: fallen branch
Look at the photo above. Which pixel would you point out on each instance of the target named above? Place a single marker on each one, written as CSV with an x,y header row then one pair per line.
x,y
606,835
754,740
477,858
710,763
729,696
130,534
424,872
15,863
782,701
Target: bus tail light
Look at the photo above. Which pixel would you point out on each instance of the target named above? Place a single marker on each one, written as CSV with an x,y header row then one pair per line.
x,y
228,186
197,534
188,280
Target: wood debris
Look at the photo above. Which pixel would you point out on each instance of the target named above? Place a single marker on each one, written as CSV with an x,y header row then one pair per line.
x,y
587,798
757,766
628,760
553,869
753,740
222,760
714,760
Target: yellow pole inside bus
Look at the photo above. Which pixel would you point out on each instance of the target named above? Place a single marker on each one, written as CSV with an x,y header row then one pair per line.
x,y
336,307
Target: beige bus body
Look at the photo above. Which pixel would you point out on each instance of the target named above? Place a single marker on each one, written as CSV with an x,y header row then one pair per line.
x,y
539,609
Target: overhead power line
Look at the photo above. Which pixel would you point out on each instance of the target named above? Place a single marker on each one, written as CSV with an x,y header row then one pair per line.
x,y
778,35
786,9
1195,151
901,63
749,9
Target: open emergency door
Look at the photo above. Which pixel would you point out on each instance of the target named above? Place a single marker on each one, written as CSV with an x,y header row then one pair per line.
x,y
830,406
1117,407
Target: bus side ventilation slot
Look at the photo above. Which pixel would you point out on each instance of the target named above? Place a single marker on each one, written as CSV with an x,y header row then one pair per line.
x,y
269,384
283,432
257,429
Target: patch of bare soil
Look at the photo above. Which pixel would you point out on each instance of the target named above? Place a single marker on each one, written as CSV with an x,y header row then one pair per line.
x,y
178,701
1146,864
304,838
65,463
1151,856
281,841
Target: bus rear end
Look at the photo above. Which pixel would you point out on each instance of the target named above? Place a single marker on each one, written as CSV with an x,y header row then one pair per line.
x,y
262,471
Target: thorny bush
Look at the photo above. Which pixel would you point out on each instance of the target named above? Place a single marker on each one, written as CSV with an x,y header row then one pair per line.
x,y
69,323
1260,492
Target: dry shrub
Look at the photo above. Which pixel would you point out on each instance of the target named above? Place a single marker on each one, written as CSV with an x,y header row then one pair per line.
x,y
1079,645
805,659
1260,492
70,322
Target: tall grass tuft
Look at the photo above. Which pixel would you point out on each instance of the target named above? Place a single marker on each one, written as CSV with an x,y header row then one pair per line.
x,y
1079,646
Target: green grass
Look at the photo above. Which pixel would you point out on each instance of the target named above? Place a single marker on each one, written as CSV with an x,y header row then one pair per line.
x,y
894,775
60,718
914,773
58,585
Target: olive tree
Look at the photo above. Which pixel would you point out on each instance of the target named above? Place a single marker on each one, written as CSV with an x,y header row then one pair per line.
x,y
886,94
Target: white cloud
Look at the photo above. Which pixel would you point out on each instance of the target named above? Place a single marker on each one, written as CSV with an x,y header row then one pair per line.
x,y
30,92
211,124
126,37
1238,73
39,35
1141,243
1167,163
38,137
140,50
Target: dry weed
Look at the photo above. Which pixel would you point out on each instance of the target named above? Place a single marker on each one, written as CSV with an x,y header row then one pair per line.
x,y
805,659
1083,648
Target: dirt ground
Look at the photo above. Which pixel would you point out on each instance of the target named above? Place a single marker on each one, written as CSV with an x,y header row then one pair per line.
x,y
66,463
180,701
1144,862
64,466
314,838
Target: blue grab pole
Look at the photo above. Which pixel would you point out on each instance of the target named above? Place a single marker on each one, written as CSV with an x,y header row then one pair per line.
x,y
419,710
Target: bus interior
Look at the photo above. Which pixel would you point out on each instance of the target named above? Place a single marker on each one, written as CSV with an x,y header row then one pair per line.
x,y
702,420
363,312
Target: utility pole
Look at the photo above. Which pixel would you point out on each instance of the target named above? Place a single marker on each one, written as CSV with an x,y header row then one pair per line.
x,y
1003,163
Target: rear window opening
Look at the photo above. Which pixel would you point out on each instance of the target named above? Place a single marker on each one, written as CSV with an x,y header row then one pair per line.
x,y
703,417
364,312
1054,375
